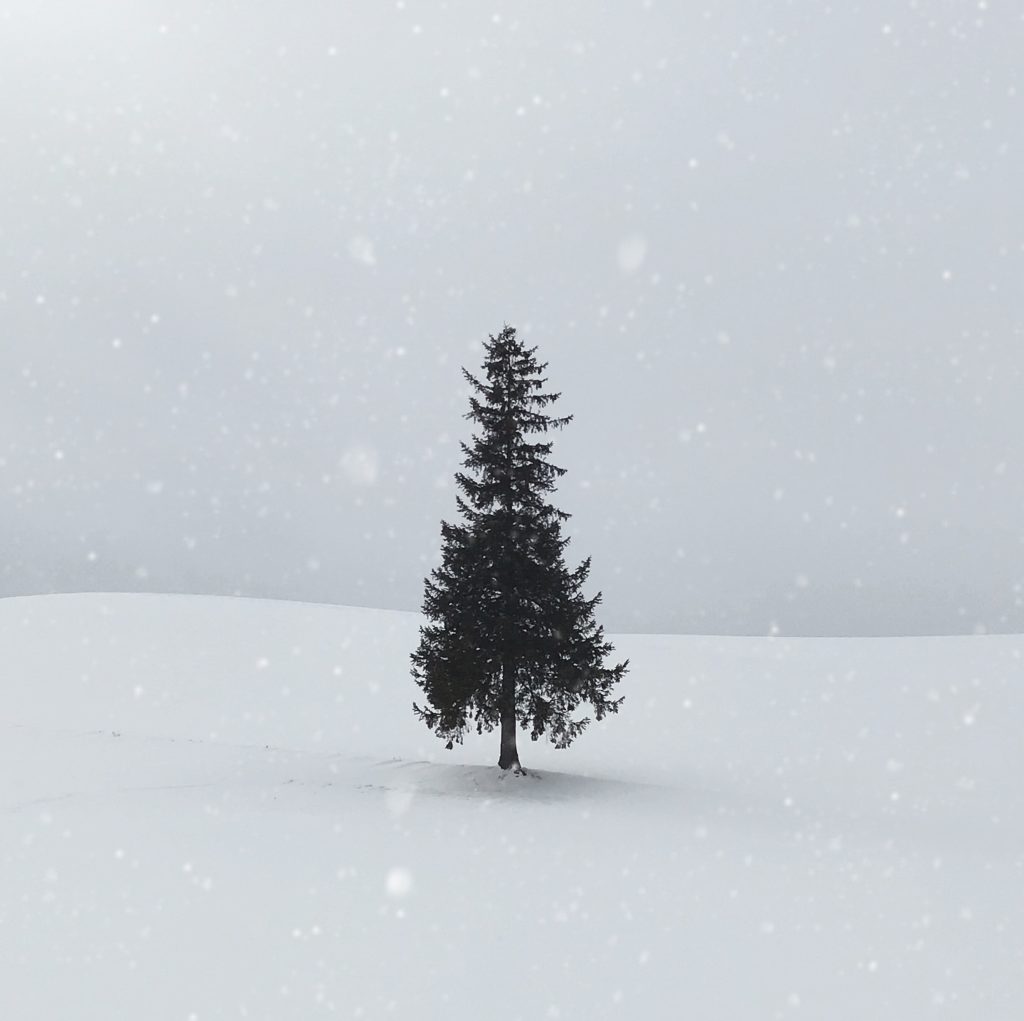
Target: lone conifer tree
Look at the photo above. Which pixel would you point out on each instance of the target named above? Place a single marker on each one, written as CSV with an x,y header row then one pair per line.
x,y
510,638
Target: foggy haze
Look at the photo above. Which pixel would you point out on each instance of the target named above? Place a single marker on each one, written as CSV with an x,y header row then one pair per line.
x,y
773,254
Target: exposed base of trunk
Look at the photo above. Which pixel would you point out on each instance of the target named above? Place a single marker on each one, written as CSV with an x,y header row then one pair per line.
x,y
516,768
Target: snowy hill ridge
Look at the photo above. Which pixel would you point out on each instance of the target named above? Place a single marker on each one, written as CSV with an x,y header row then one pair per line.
x,y
225,808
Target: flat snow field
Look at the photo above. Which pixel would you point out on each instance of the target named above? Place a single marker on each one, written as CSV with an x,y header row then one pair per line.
x,y
215,808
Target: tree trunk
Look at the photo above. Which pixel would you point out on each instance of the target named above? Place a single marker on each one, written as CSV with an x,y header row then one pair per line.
x,y
509,754
509,758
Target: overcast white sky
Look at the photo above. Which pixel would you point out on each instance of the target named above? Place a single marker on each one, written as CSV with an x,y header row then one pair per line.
x,y
773,252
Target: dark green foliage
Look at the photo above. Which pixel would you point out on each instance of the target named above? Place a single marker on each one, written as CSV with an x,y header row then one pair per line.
x,y
510,638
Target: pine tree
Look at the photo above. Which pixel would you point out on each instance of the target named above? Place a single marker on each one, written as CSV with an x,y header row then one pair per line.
x,y
510,638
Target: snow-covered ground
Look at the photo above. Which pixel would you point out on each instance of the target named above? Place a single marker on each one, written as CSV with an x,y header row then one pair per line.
x,y
218,808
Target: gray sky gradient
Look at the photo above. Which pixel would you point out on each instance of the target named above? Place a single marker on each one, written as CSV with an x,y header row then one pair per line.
x,y
774,254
